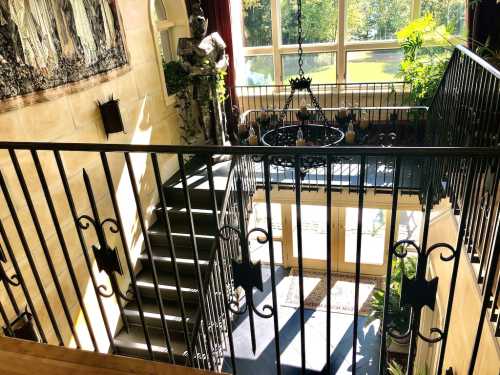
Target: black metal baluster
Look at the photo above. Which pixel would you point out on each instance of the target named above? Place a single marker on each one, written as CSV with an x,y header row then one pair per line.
x,y
359,237
392,238
62,242
149,251
45,249
194,245
218,246
88,261
19,275
29,257
328,262
267,187
298,163
420,275
488,292
8,282
8,328
175,268
458,251
126,251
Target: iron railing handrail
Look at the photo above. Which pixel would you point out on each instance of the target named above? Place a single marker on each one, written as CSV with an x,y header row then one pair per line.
x,y
330,84
257,150
213,251
479,60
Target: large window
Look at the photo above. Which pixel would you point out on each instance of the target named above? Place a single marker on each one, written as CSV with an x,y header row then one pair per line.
x,y
344,40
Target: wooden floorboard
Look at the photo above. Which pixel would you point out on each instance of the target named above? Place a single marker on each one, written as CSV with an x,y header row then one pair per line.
x,y
18,357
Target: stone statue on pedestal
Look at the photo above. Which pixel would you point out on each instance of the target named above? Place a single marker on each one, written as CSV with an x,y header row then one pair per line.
x,y
204,58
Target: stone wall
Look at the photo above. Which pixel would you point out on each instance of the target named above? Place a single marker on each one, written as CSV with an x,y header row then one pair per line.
x,y
465,313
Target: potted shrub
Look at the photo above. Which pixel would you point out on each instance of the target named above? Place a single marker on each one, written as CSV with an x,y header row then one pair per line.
x,y
399,317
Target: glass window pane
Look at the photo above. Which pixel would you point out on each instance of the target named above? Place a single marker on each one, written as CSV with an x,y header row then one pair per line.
x,y
321,67
376,19
258,70
313,219
374,66
257,23
372,239
319,21
166,52
449,13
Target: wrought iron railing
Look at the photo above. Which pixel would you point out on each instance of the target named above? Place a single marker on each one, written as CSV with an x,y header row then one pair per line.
x,y
466,112
230,269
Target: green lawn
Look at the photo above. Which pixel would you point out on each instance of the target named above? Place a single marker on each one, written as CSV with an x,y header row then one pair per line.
x,y
362,67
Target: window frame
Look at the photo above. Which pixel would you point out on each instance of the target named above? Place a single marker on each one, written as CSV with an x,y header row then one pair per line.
x,y
157,27
341,47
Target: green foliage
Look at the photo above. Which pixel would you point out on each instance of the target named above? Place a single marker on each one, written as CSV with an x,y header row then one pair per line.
x,y
450,13
395,368
423,67
376,19
177,78
220,87
258,23
319,21
399,316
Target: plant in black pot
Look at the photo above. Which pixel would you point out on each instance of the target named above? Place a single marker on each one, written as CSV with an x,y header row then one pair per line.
x,y
398,316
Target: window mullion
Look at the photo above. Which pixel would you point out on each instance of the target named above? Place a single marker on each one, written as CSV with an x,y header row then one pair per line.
x,y
276,36
415,9
341,51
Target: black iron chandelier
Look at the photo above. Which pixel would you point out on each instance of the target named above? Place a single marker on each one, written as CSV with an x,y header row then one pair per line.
x,y
308,130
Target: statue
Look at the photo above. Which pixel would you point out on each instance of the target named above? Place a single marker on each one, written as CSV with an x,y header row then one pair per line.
x,y
204,59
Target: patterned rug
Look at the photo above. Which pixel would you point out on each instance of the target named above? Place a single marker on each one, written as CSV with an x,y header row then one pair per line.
x,y
342,291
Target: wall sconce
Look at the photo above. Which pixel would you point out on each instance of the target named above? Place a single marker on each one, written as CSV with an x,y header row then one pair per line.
x,y
111,116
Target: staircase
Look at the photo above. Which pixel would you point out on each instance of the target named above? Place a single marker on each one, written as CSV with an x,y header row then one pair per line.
x,y
130,339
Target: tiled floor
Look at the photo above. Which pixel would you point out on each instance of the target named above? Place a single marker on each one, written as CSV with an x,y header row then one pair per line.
x,y
264,360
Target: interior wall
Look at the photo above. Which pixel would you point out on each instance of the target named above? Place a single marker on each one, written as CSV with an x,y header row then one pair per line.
x,y
465,313
149,118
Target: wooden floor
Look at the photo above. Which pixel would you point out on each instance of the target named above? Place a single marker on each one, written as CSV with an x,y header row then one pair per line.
x,y
19,357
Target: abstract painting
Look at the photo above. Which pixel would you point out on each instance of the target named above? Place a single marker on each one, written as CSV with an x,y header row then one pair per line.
x,y
49,44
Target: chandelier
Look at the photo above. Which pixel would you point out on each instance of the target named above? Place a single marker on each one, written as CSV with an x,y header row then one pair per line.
x,y
311,127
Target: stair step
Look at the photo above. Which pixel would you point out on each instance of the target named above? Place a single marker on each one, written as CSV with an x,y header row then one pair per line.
x,y
152,315
158,238
189,286
203,220
200,197
133,344
184,257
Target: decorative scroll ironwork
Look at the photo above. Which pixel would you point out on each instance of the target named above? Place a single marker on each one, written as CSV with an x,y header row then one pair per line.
x,y
11,280
107,258
246,274
418,291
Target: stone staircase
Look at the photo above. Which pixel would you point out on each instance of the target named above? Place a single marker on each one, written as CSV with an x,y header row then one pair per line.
x,y
131,341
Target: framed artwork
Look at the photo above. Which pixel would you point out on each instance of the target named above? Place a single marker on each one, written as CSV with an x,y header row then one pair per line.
x,y
50,47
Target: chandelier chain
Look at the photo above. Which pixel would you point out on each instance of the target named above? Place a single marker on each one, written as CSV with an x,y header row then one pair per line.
x,y
300,38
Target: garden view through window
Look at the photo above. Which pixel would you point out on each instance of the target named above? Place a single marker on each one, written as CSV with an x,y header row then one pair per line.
x,y
363,48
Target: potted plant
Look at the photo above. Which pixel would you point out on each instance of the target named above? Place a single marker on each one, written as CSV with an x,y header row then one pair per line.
x,y
399,317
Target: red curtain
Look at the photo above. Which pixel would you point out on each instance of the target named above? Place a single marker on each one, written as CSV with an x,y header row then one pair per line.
x,y
218,13
484,23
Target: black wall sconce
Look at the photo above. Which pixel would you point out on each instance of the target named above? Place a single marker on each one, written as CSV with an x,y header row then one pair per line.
x,y
111,116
